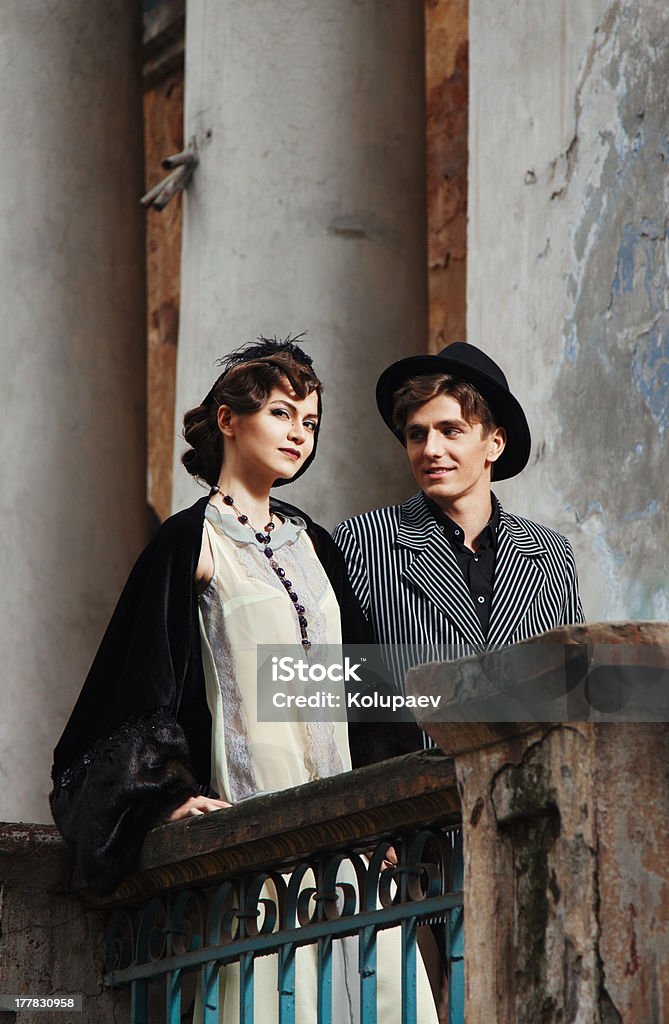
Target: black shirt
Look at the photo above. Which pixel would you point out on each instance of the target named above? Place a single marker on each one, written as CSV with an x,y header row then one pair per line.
x,y
478,567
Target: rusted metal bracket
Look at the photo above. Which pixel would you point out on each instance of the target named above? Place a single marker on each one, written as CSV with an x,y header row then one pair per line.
x,y
181,167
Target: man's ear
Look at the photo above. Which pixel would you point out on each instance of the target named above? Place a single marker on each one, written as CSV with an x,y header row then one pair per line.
x,y
224,418
496,443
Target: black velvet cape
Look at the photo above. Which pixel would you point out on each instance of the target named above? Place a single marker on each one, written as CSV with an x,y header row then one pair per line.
x,y
138,741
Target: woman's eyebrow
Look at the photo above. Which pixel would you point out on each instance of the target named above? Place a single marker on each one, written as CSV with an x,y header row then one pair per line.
x,y
293,408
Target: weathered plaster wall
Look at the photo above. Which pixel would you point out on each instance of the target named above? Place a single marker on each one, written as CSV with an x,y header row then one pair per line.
x,y
569,272
307,213
633,842
565,833
49,945
571,919
72,499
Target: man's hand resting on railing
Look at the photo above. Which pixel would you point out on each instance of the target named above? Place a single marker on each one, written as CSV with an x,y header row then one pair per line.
x,y
197,805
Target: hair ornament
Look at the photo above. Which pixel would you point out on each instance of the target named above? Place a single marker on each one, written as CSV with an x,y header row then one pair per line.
x,y
262,348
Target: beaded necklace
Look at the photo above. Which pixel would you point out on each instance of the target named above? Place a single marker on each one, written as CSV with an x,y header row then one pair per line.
x,y
264,539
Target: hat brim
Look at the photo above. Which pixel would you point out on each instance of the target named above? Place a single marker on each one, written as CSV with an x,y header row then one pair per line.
x,y
506,409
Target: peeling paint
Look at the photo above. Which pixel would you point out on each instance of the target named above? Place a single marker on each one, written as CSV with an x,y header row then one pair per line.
x,y
648,598
650,371
649,512
610,563
624,279
583,331
616,336
571,344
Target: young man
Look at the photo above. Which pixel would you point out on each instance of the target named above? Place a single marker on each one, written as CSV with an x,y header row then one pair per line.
x,y
449,572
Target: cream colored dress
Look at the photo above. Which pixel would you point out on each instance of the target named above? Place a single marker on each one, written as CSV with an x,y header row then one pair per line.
x,y
245,604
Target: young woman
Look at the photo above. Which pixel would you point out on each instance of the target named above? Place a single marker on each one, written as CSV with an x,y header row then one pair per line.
x,y
166,725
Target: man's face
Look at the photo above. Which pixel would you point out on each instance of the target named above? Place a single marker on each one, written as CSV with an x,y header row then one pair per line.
x,y
450,458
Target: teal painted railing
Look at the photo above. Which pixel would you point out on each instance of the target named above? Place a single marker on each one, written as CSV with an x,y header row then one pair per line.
x,y
330,878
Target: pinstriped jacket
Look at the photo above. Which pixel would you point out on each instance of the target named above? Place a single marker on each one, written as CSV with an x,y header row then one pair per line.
x,y
412,591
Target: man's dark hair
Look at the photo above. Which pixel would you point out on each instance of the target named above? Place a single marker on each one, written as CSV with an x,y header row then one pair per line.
x,y
418,390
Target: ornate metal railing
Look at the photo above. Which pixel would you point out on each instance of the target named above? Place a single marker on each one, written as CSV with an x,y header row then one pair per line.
x,y
354,855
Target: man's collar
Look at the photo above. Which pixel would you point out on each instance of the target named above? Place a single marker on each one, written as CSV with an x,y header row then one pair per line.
x,y
454,533
417,524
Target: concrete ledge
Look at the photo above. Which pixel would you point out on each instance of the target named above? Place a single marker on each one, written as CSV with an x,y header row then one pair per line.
x,y
614,672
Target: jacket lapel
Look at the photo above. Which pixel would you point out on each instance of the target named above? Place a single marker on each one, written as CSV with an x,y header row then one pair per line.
x,y
435,570
518,579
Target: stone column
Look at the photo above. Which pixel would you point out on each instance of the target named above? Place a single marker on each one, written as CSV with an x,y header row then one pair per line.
x,y
72,361
307,213
565,829
568,272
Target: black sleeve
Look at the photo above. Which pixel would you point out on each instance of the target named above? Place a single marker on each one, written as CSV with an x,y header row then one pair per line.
x,y
105,804
123,763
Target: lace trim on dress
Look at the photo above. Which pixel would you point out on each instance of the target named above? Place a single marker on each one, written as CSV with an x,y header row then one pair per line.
x,y
241,774
321,757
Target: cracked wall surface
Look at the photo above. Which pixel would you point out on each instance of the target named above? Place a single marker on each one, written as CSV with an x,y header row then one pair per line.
x,y
566,848
542,809
569,272
565,844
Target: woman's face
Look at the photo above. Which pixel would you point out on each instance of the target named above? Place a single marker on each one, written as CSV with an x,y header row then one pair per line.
x,y
274,442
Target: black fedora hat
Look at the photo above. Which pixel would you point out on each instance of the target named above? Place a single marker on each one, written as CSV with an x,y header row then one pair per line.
x,y
468,363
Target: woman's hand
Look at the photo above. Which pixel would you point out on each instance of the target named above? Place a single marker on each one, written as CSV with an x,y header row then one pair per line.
x,y
196,805
390,859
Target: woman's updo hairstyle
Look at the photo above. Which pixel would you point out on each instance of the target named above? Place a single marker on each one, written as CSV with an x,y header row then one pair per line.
x,y
250,373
